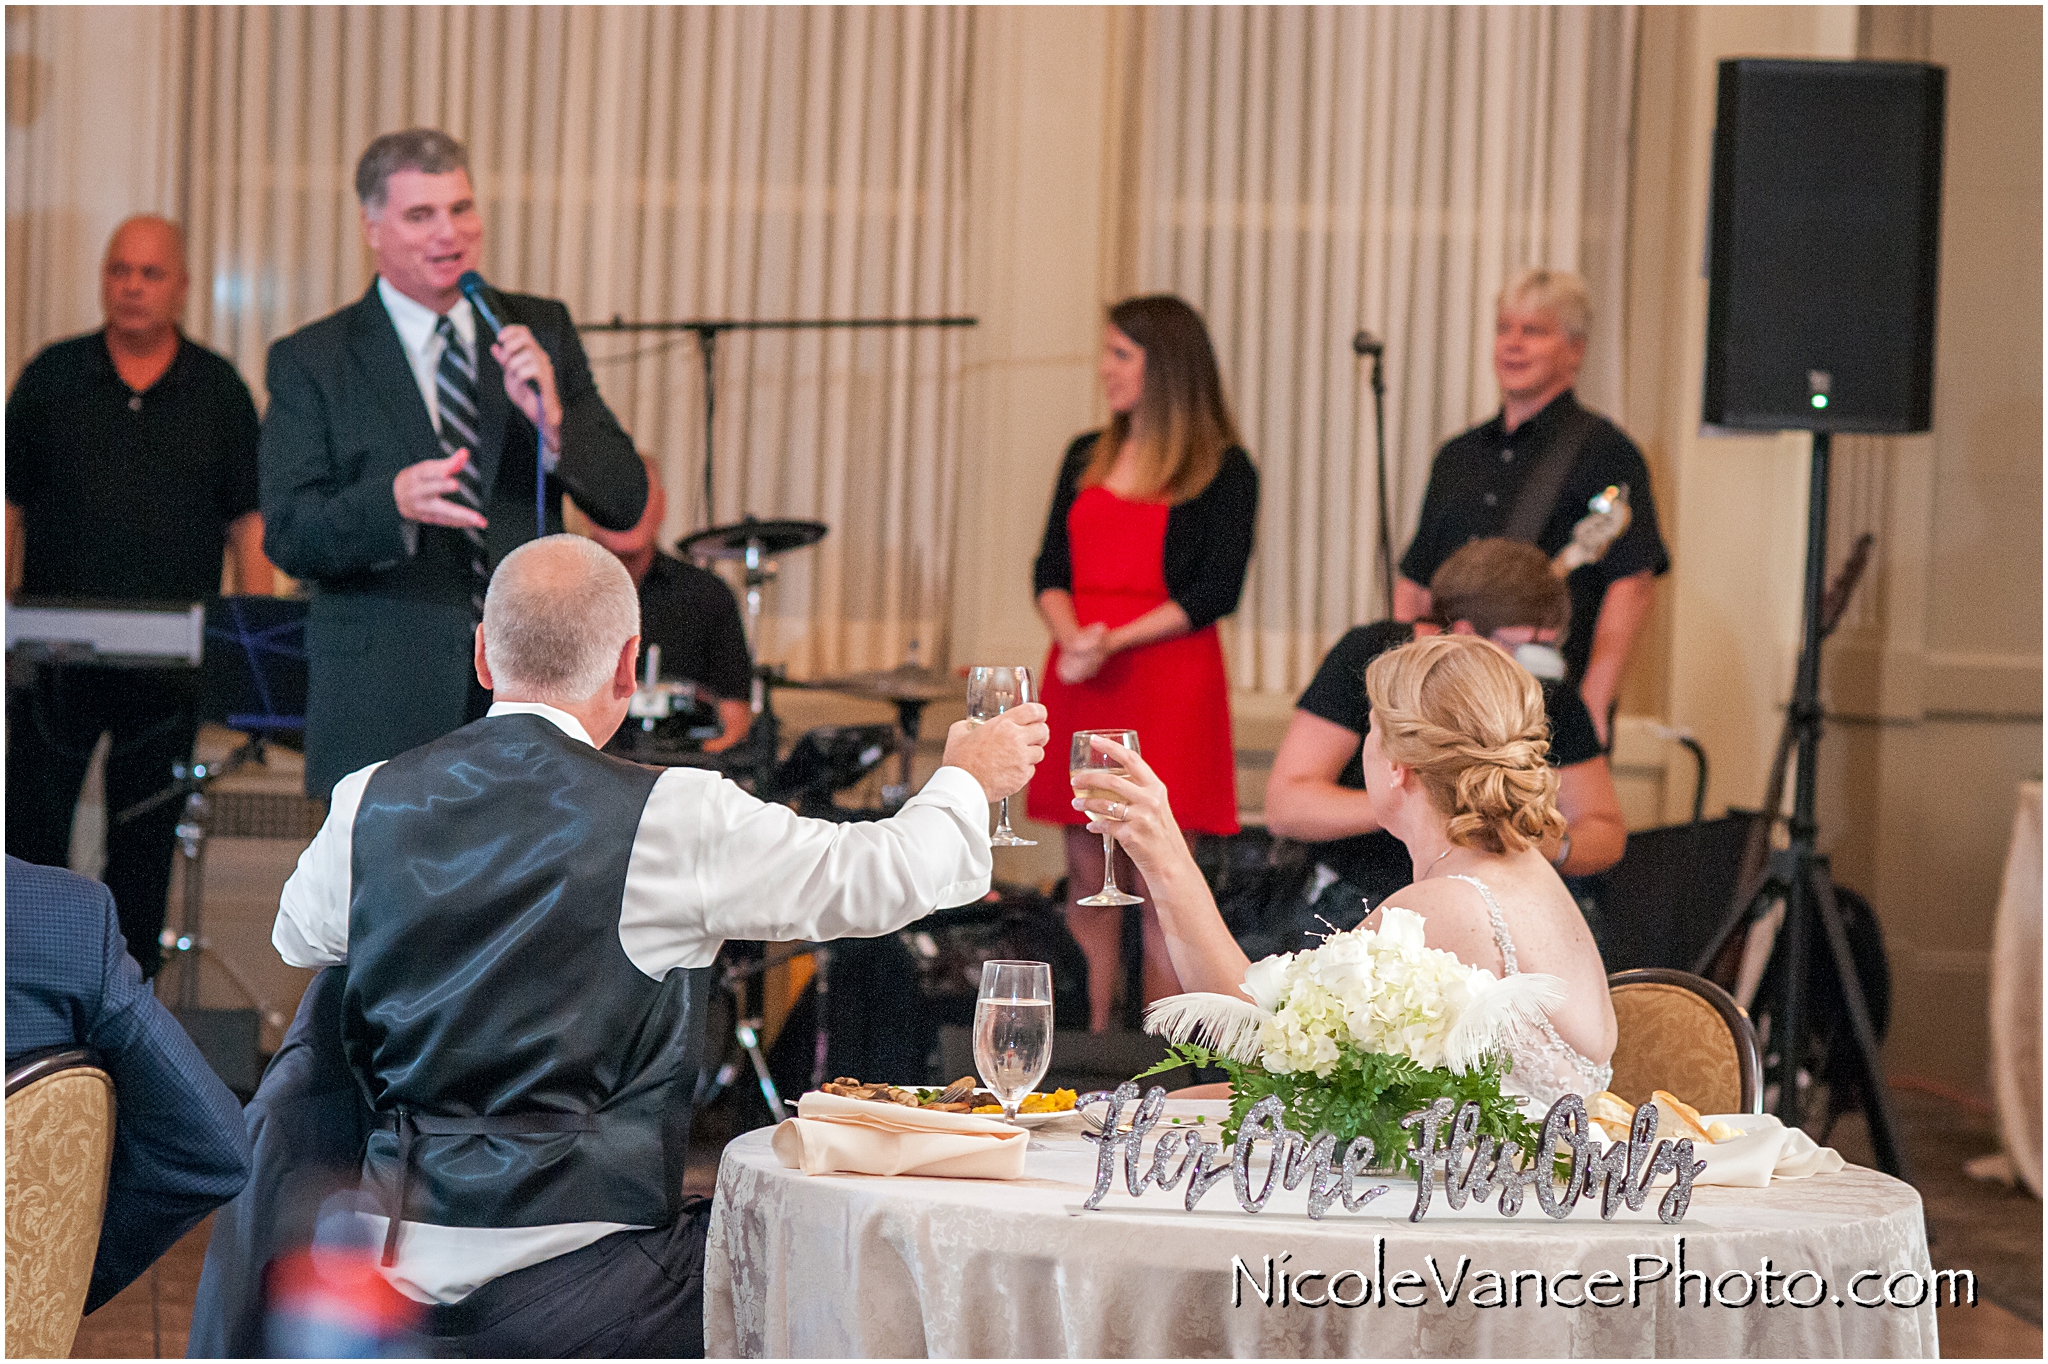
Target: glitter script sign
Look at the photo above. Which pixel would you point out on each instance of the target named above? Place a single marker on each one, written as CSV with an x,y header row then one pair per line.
x,y
1470,1166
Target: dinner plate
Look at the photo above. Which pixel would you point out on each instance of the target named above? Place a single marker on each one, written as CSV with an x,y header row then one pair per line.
x,y
1023,1119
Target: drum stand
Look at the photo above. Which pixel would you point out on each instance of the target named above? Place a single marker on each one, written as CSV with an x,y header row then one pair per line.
x,y
188,945
742,980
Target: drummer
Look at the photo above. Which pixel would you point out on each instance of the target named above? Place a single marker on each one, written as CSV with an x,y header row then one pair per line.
x,y
690,613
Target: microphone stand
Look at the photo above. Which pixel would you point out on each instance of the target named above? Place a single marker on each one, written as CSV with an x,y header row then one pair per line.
x,y
708,330
1364,344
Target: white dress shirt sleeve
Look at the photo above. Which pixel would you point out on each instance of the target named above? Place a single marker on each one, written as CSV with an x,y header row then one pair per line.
x,y
312,913
711,862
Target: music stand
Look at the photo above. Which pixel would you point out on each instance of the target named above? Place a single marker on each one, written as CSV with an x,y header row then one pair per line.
x,y
253,680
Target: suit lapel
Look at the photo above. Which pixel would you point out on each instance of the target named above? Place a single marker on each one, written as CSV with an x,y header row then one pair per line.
x,y
374,344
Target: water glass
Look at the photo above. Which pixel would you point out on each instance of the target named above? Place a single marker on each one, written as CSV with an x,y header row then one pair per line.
x,y
990,692
1013,1030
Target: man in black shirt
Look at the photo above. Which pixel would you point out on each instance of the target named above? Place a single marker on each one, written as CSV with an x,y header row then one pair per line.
x,y
1480,480
131,466
1504,590
690,613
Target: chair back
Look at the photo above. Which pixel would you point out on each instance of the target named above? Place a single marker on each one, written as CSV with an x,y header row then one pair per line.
x,y
1683,1034
60,1148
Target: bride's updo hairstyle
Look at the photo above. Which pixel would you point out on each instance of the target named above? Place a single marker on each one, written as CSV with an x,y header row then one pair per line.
x,y
1469,721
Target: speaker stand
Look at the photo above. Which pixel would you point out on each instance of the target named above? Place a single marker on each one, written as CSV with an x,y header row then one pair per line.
x,y
1799,876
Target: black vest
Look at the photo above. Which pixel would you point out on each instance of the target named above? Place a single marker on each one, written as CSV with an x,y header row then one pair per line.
x,y
486,979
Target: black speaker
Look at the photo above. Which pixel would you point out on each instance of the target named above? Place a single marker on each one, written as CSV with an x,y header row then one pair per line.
x,y
1823,236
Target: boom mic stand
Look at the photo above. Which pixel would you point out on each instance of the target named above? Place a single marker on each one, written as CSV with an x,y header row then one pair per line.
x,y
708,330
1365,343
1800,876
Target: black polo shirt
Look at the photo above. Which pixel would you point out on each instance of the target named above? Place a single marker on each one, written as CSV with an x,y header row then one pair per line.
x,y
1472,490
694,617
128,495
1377,863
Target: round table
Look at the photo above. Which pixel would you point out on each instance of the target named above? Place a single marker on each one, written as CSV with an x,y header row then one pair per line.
x,y
849,1265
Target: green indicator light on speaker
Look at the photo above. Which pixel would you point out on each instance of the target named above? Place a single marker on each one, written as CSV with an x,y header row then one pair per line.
x,y
1820,400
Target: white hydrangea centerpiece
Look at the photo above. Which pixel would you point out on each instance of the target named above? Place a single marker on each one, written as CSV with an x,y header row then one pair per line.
x,y
1361,1030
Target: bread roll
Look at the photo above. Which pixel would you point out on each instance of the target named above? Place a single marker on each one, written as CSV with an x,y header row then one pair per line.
x,y
1611,1113
1678,1119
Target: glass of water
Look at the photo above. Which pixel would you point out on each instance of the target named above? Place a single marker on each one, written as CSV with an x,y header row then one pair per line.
x,y
1013,1030
990,692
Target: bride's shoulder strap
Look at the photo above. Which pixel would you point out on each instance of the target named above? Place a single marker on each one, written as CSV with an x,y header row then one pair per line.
x,y
1500,927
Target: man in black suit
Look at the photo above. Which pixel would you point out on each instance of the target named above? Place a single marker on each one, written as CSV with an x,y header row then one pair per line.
x,y
399,462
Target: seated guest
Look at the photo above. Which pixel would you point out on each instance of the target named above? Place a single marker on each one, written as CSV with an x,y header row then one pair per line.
x,y
690,613
530,926
1505,591
180,1150
1455,768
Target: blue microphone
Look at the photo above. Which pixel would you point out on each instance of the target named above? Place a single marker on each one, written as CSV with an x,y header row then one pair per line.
x,y
479,295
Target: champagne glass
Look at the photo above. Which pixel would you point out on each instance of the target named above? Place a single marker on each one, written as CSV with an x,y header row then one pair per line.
x,y
1013,1029
1087,758
990,692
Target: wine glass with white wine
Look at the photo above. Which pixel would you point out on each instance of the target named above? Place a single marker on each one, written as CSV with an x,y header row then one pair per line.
x,y
1086,759
1013,1029
990,692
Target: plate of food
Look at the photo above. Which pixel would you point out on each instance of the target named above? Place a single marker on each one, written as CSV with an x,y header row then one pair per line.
x,y
964,1095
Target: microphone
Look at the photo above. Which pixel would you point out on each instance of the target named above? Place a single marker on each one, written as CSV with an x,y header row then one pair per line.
x,y
1365,343
479,295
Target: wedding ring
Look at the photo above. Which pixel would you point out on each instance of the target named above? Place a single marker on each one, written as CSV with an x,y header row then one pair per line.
x,y
1119,809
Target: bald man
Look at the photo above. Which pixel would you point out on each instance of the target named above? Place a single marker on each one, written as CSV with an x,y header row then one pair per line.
x,y
131,469
529,926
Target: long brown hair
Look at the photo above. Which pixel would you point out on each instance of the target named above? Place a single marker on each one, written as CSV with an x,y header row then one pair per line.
x,y
1185,421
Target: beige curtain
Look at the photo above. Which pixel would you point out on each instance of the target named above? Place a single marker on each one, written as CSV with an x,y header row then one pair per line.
x,y
651,163
1299,174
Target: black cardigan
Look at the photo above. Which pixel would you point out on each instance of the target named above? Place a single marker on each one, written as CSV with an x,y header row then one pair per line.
x,y
1208,537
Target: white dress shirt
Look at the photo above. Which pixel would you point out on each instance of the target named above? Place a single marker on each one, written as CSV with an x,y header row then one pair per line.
x,y
422,340
709,862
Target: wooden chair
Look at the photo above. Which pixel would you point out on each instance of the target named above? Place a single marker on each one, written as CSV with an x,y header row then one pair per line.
x,y
1683,1034
60,1148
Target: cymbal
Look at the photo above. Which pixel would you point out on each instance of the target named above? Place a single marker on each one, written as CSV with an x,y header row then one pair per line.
x,y
730,542
906,683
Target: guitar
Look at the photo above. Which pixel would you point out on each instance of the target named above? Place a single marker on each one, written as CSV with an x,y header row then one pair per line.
x,y
1606,521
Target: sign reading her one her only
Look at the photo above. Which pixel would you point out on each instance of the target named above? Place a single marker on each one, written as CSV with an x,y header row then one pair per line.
x,y
1622,1172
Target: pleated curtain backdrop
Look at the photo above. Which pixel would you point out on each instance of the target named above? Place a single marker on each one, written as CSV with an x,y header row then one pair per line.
x,y
1300,174
650,163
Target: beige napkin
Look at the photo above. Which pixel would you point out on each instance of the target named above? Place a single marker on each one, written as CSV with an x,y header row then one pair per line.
x,y
832,1135
1766,1150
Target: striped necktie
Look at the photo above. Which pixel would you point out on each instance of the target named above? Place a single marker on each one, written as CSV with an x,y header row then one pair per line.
x,y
455,382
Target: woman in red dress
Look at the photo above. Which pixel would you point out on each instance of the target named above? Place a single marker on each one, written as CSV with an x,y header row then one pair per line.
x,y
1145,550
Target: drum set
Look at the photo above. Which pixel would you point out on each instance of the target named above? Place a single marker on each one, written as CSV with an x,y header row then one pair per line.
x,y
668,722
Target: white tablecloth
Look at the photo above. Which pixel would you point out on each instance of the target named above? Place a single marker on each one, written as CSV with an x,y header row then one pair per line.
x,y
2016,993
843,1265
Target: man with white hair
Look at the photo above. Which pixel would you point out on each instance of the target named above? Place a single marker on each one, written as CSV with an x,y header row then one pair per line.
x,y
1532,473
529,926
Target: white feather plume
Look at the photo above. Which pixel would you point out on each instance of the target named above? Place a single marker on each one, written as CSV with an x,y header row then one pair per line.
x,y
1218,1022
1525,998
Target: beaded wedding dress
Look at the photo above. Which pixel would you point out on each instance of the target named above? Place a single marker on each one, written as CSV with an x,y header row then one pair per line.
x,y
1546,1066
